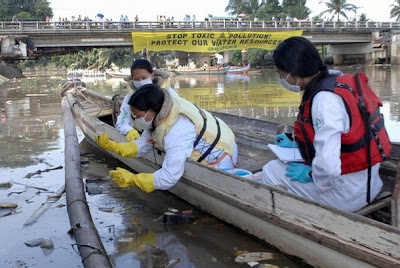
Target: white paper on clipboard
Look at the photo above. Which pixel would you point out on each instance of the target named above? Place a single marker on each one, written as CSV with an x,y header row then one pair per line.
x,y
286,154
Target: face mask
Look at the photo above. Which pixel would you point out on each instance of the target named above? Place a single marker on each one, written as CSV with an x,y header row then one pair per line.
x,y
139,84
285,84
143,124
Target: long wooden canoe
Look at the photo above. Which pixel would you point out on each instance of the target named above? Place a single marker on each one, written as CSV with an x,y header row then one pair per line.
x,y
319,235
206,71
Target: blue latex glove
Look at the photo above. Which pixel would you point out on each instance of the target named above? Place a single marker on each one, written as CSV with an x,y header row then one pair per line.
x,y
283,141
299,172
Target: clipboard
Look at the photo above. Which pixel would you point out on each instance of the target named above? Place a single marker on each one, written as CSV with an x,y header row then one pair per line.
x,y
286,154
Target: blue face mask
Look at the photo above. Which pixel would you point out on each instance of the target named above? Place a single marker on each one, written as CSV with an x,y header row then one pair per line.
x,y
139,84
285,84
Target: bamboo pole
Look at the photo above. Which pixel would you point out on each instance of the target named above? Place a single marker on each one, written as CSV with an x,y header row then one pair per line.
x,y
86,236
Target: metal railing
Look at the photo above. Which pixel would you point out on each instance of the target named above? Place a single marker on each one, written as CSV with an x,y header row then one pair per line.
x,y
28,26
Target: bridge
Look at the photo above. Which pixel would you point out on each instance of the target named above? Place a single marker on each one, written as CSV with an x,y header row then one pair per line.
x,y
343,38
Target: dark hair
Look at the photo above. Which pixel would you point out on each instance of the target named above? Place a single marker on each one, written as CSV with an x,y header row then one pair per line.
x,y
142,64
148,97
298,56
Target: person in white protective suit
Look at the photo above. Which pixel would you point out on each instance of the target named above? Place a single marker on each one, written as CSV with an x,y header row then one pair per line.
x,y
332,177
142,73
177,127
220,59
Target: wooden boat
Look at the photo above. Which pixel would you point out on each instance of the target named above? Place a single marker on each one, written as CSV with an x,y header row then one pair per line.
x,y
121,74
237,70
203,71
319,235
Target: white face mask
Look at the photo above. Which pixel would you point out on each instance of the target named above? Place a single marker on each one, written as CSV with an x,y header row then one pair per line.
x,y
139,84
285,84
143,123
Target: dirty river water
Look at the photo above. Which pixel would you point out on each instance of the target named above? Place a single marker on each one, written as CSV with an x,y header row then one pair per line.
x,y
128,220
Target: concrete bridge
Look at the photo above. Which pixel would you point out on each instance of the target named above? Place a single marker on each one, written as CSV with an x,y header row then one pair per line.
x,y
343,39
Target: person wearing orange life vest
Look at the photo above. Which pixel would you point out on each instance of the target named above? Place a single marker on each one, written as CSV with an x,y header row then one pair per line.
x,y
340,169
177,127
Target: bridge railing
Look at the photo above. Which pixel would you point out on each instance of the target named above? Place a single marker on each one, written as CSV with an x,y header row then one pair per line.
x,y
28,26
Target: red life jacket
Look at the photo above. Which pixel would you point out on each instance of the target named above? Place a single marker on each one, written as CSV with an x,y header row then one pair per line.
x,y
354,149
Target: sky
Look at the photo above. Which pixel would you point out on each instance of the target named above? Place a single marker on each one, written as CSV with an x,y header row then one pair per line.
x,y
377,10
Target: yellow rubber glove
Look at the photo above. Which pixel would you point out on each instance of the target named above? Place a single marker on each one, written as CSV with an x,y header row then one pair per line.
x,y
132,134
125,149
125,178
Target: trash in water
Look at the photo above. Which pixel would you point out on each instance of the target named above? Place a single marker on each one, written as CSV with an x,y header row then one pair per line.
x,y
93,189
7,184
16,189
173,218
255,257
46,243
8,205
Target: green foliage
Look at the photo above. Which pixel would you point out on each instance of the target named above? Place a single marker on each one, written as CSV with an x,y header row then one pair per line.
x,y
255,56
296,8
27,9
270,9
96,58
338,8
395,11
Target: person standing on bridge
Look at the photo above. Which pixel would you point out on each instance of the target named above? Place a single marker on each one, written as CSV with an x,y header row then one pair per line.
x,y
340,169
177,127
142,73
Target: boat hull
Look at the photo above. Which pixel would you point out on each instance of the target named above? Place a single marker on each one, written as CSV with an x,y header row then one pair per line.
x,y
320,235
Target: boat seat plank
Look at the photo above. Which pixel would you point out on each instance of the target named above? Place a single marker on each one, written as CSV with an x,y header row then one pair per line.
x,y
103,112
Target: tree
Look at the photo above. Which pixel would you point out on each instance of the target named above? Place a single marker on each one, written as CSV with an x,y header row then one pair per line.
x,y
235,7
272,8
395,11
296,8
28,9
363,17
338,7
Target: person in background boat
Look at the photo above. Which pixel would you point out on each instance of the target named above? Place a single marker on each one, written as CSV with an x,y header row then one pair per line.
x,y
141,74
205,66
244,57
177,127
220,60
329,175
143,53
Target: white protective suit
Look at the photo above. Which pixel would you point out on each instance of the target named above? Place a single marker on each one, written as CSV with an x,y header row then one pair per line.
x,y
347,192
178,145
220,58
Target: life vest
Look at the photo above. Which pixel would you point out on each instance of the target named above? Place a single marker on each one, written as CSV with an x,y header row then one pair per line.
x,y
209,128
354,149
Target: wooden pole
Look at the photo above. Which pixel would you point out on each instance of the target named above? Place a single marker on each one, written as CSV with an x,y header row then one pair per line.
x,y
86,236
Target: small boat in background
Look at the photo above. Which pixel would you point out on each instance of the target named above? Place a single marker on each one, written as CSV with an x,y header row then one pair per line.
x,y
122,73
236,70
206,71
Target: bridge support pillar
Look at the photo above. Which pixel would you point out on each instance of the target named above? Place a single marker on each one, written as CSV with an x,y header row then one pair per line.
x,y
395,48
350,53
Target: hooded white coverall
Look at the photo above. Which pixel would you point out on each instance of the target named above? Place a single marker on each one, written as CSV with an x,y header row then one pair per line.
x,y
347,192
178,146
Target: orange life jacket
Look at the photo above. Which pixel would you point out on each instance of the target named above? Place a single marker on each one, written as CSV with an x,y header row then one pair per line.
x,y
362,106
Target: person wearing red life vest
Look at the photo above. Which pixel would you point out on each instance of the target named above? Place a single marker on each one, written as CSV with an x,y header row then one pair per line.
x,y
341,143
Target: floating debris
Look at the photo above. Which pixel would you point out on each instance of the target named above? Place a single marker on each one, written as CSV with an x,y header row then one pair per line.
x,y
255,257
172,218
172,262
6,212
29,175
8,205
93,189
7,184
16,189
46,243
93,180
